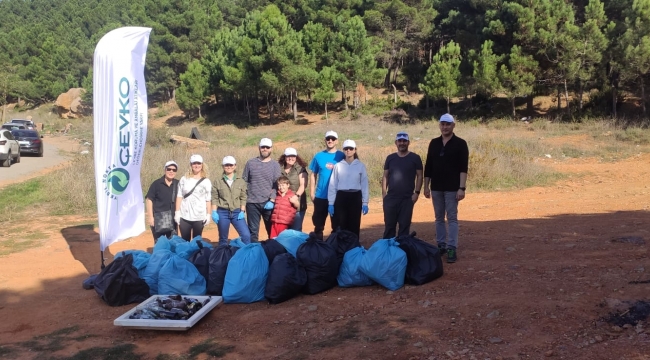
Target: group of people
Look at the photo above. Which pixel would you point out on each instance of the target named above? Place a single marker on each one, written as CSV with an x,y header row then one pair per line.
x,y
275,191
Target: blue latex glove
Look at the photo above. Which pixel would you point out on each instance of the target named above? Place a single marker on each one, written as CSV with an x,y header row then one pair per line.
x,y
215,216
330,209
364,209
241,215
269,205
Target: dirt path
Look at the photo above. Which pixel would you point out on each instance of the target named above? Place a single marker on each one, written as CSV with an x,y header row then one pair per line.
x,y
30,166
538,271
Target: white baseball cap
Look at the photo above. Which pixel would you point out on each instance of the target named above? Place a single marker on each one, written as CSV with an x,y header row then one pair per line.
x,y
170,162
228,160
331,133
447,118
402,136
290,152
349,143
266,142
196,158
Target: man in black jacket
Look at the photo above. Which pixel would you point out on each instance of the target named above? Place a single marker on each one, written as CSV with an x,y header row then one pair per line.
x,y
161,199
445,176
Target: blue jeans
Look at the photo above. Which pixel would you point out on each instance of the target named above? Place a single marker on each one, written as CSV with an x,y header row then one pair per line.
x,y
297,221
227,217
444,202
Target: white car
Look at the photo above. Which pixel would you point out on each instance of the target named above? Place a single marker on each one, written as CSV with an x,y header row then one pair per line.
x,y
9,148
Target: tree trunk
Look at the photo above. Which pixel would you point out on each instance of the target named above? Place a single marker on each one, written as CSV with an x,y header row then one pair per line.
x,y
559,100
269,108
345,99
308,101
514,112
248,109
566,97
614,102
426,102
643,97
294,105
394,93
326,118
530,108
580,92
199,111
4,111
448,100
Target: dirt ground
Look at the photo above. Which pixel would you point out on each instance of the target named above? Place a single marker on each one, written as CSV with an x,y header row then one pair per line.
x,y
539,271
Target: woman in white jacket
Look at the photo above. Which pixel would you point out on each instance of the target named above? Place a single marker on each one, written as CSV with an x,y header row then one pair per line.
x,y
348,190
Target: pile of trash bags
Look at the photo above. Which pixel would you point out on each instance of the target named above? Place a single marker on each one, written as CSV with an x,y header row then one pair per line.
x,y
276,270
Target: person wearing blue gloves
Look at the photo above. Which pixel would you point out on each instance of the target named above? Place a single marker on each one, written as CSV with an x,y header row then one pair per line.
x,y
347,193
261,174
229,203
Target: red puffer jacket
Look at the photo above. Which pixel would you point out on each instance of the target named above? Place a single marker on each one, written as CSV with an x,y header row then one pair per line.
x,y
283,212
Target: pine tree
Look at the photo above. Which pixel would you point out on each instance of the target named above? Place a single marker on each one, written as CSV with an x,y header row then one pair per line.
x,y
194,88
518,77
441,80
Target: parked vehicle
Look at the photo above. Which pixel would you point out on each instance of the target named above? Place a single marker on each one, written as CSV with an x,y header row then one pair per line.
x,y
29,125
13,126
29,141
9,148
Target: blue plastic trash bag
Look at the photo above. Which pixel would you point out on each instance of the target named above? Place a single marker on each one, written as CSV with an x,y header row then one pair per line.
x,y
246,275
291,240
188,248
350,275
140,259
156,262
237,243
162,244
179,276
385,263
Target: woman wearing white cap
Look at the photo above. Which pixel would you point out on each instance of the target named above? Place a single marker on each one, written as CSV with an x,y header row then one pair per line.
x,y
229,203
295,168
161,203
347,193
194,201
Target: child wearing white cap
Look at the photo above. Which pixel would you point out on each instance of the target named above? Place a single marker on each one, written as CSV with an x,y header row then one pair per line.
x,y
194,200
295,168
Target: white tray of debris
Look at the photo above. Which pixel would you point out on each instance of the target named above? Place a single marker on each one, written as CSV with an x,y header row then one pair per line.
x,y
164,324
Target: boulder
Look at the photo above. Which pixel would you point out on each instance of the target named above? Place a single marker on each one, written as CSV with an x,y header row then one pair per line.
x,y
190,143
69,103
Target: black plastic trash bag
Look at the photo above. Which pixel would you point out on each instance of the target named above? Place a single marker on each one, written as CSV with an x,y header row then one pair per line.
x,y
424,260
118,283
321,263
89,282
343,241
272,249
219,259
201,260
286,279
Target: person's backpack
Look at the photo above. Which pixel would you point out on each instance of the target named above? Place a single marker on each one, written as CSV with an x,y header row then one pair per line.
x,y
118,283
286,279
321,262
218,264
343,241
272,249
424,260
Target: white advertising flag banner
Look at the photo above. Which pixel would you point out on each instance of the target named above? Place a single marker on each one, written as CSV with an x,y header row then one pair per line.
x,y
120,132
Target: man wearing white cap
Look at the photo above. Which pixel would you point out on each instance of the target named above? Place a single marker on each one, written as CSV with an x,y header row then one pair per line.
x,y
321,167
161,202
445,176
400,187
261,174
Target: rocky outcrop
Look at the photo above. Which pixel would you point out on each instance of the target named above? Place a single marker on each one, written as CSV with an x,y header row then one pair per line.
x,y
69,104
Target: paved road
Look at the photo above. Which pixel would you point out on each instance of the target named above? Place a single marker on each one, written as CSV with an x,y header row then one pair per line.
x,y
31,165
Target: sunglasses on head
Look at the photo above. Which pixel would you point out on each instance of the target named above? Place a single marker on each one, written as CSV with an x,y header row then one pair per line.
x,y
171,169
265,147
330,138
196,163
348,149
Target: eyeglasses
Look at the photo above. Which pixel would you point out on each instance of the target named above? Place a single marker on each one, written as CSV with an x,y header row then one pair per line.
x,y
171,169
265,147
197,163
348,149
330,138
228,165
442,151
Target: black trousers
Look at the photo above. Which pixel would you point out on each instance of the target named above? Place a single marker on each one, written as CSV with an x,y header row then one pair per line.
x,y
347,210
397,211
253,213
157,235
320,216
190,229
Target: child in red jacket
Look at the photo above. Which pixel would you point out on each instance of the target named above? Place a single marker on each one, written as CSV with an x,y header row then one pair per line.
x,y
286,203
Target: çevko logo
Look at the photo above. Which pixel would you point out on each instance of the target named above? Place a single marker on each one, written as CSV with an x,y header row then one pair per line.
x,y
116,179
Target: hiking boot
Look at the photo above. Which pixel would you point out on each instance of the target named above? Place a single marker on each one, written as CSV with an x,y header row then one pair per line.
x,y
443,249
451,256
